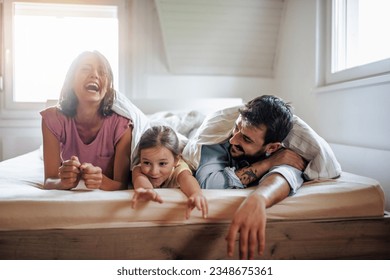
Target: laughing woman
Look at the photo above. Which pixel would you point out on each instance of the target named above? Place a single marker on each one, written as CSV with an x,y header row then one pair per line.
x,y
83,139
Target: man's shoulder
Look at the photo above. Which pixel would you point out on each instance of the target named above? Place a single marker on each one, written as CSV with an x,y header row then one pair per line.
x,y
214,152
216,147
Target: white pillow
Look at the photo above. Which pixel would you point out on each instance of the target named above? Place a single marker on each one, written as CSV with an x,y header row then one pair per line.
x,y
183,122
215,128
302,139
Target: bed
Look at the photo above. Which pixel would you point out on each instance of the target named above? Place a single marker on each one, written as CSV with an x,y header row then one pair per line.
x,y
340,218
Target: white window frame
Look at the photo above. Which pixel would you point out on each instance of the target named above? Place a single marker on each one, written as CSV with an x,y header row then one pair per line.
x,y
14,110
372,72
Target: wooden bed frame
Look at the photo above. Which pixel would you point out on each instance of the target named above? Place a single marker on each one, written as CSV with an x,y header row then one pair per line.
x,y
367,238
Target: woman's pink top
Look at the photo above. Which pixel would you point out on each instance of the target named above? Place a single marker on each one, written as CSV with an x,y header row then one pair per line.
x,y
100,152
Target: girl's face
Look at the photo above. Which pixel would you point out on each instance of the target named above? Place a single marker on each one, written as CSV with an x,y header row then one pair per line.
x,y
157,164
90,81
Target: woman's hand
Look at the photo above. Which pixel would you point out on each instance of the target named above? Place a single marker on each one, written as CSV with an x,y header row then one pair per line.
x,y
69,173
143,194
92,175
200,202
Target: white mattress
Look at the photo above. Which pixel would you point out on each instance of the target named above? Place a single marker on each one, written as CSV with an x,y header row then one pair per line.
x,y
25,205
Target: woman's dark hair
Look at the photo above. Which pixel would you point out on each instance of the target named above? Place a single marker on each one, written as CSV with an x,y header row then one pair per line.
x,y
160,136
68,100
272,112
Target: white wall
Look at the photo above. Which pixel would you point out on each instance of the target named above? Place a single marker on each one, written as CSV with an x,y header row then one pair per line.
x,y
19,136
354,119
152,78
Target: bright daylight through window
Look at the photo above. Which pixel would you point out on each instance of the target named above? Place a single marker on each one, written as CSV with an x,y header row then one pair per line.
x,y
47,37
360,35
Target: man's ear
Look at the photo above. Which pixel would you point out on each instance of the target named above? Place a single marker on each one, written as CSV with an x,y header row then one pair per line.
x,y
272,147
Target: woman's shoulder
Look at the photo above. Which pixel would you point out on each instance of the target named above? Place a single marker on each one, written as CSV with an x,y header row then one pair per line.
x,y
53,115
116,125
116,118
53,110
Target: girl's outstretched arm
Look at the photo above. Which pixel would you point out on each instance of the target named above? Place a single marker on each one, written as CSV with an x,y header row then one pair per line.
x,y
143,188
190,187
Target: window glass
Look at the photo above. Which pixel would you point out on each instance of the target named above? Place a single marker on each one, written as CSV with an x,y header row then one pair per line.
x,y
360,32
359,44
46,39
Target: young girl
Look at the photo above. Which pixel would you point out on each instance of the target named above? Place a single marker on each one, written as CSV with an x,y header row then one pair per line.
x,y
161,166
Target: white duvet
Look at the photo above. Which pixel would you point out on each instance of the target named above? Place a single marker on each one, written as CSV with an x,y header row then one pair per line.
x,y
25,205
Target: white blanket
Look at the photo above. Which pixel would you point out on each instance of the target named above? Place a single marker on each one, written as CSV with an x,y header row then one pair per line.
x,y
24,204
184,123
302,139
124,107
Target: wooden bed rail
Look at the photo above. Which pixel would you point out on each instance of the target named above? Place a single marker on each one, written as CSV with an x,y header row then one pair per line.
x,y
305,240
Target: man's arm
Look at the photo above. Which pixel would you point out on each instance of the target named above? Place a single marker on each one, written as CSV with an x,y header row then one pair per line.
x,y
256,170
214,171
250,218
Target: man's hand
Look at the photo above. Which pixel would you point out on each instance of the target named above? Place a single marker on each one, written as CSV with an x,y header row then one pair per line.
x,y
250,218
288,157
249,221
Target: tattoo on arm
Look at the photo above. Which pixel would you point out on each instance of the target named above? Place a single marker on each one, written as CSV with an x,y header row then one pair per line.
x,y
246,175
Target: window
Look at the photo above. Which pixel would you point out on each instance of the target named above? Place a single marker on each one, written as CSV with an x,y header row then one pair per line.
x,y
359,44
46,38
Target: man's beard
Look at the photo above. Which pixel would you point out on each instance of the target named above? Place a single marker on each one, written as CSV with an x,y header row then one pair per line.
x,y
248,158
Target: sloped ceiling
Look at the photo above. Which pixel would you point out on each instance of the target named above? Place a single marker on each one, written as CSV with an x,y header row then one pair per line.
x,y
220,37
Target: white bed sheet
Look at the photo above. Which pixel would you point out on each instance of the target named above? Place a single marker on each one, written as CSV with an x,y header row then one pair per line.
x,y
25,205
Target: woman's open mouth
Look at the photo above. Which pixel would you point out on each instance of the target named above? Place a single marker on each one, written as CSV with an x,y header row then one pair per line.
x,y
92,87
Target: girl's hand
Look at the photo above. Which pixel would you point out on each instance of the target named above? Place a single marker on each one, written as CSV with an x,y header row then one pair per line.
x,y
200,202
92,175
143,194
69,173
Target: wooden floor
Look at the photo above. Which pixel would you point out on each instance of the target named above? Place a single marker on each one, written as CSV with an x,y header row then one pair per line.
x,y
341,239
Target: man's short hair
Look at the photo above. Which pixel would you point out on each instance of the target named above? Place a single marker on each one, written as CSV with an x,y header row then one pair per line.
x,y
272,112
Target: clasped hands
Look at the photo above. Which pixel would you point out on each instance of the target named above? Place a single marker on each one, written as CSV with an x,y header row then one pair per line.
x,y
72,171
